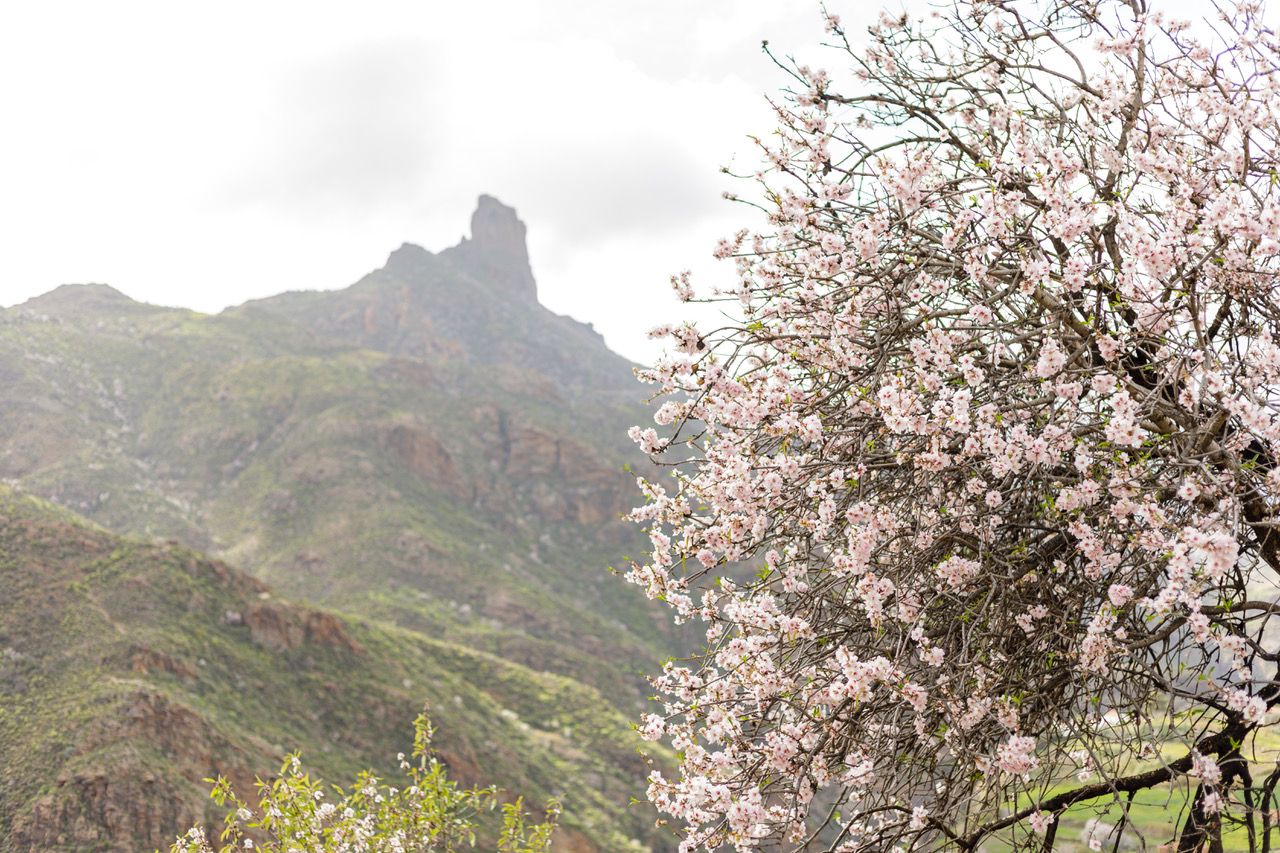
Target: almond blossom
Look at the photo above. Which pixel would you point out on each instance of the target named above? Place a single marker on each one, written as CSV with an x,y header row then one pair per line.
x,y
983,478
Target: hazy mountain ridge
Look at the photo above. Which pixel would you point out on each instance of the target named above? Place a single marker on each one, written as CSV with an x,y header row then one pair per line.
x,y
429,447
475,302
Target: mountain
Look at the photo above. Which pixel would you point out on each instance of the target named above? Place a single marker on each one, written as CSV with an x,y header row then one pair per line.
x,y
429,451
475,304
130,671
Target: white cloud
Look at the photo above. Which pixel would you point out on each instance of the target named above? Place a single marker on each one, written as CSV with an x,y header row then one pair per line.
x,y
346,135
202,155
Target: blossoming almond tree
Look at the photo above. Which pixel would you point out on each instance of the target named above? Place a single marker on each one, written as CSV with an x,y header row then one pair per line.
x,y
978,502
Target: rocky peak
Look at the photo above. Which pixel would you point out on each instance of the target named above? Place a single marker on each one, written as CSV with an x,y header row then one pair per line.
x,y
408,258
408,255
497,248
78,297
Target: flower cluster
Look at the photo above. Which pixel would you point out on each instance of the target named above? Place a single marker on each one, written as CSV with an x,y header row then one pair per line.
x,y
987,469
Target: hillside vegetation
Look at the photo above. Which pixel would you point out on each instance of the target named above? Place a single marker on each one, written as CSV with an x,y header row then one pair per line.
x,y
429,461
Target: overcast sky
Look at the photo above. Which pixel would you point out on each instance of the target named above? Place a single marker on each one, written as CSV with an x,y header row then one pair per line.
x,y
205,154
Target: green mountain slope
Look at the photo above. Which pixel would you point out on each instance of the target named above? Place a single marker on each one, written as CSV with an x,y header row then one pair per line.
x,y
429,451
130,671
429,446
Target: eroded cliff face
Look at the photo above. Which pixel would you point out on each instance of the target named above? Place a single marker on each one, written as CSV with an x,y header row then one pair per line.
x,y
282,627
104,810
135,775
426,457
559,478
552,477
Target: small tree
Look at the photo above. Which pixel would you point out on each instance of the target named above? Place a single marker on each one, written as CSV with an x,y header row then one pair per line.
x,y
428,813
998,430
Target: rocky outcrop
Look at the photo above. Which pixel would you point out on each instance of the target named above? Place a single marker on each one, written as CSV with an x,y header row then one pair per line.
x,y
562,479
497,249
103,810
144,661
128,803
424,455
559,478
282,627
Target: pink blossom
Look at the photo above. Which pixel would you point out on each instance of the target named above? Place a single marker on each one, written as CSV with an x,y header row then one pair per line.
x,y
1120,594
1040,821
1017,755
1051,360
958,571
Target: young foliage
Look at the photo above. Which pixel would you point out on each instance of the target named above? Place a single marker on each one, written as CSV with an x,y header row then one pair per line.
x,y
429,812
999,428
